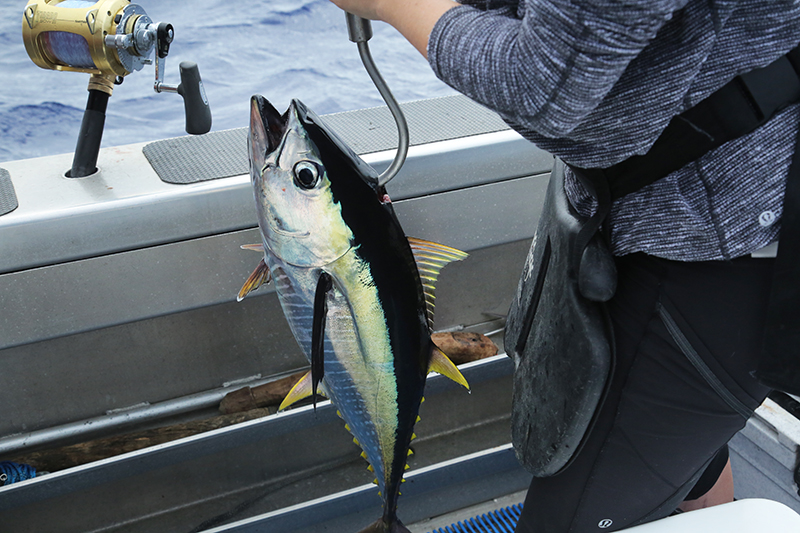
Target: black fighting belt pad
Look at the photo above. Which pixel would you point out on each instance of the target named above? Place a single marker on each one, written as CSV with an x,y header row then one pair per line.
x,y
560,341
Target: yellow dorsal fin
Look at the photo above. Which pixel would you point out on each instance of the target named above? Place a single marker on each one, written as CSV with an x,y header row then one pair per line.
x,y
260,276
430,258
253,247
301,390
443,365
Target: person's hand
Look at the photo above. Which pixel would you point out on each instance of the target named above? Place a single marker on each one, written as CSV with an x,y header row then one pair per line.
x,y
413,18
367,9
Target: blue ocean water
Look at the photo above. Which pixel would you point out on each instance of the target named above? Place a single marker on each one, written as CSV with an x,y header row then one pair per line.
x,y
282,49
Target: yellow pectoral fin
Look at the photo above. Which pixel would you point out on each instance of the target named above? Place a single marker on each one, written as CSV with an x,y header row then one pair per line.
x,y
260,276
443,365
301,390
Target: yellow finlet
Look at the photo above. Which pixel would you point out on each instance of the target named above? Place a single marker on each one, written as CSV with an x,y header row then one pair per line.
x,y
300,391
370,468
260,276
443,365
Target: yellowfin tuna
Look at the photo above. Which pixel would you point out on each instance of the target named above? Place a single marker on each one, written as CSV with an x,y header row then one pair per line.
x,y
358,295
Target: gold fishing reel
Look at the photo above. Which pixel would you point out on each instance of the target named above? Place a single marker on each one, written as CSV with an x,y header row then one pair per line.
x,y
108,39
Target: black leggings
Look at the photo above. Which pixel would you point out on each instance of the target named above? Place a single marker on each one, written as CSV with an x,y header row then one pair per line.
x,y
687,337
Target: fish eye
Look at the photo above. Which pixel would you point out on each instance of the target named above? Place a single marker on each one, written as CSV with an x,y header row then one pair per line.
x,y
306,174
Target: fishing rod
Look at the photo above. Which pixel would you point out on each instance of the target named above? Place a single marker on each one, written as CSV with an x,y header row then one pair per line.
x,y
360,31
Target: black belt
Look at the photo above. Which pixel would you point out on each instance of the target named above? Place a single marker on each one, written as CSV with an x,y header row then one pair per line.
x,y
741,106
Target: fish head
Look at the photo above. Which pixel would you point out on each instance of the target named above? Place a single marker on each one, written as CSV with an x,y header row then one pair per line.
x,y
300,220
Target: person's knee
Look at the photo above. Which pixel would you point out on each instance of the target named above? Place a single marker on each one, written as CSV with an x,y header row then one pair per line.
x,y
721,492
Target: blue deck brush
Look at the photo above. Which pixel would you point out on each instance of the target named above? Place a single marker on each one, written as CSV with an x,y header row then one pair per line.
x,y
500,521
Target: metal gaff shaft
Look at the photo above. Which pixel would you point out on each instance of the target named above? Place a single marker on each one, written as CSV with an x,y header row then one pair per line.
x,y
360,31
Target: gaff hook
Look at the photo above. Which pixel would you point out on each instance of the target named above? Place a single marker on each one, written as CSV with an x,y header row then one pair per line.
x,y
360,31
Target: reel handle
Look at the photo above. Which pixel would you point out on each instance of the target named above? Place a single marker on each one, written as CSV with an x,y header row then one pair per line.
x,y
198,114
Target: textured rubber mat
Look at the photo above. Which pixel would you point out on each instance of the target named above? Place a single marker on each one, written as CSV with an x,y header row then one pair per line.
x,y
223,154
191,159
8,198
500,521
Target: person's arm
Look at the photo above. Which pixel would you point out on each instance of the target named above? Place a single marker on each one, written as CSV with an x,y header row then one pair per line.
x,y
546,66
414,19
543,64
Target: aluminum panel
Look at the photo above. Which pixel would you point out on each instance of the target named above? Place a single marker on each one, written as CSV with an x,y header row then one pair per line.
x,y
104,291
254,467
434,490
180,354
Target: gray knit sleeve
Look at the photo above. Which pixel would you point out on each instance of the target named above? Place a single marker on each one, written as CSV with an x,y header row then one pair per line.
x,y
544,64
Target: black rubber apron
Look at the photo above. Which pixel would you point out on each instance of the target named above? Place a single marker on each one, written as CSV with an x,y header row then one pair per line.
x,y
557,330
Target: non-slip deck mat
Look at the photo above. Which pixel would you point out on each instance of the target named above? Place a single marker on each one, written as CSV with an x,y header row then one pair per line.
x,y
191,159
500,521
223,154
8,198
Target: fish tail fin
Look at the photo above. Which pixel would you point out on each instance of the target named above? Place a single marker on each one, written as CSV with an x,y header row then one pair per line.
x,y
381,526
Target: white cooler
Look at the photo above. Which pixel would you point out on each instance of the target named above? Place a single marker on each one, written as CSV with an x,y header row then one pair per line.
x,y
742,516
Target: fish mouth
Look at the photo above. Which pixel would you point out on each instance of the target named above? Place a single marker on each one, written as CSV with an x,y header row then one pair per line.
x,y
267,124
